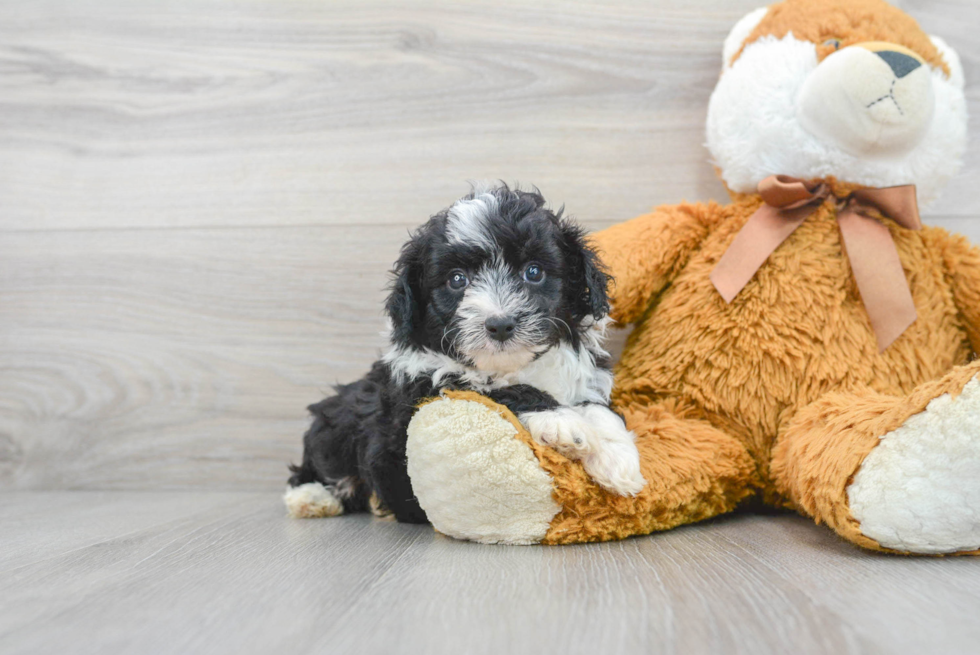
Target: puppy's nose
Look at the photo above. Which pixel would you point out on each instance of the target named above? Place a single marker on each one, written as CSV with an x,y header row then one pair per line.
x,y
501,328
900,63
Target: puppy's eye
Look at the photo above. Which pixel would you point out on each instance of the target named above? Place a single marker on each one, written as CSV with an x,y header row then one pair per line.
x,y
833,42
534,274
458,280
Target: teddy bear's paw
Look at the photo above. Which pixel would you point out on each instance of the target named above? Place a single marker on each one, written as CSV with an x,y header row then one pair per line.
x,y
474,477
919,489
598,438
312,501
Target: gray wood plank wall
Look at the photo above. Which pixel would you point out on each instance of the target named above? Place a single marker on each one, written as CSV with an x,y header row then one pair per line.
x,y
199,200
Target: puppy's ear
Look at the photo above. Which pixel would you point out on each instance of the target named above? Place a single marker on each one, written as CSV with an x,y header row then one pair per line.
x,y
587,277
403,305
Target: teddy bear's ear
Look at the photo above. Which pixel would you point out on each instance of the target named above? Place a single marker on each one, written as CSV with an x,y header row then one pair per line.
x,y
739,33
952,60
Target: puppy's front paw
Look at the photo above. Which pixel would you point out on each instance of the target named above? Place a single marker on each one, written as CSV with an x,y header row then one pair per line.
x,y
616,468
614,462
597,437
562,429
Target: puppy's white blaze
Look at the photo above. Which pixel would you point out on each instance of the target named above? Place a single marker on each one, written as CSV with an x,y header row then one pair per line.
x,y
467,221
494,292
753,130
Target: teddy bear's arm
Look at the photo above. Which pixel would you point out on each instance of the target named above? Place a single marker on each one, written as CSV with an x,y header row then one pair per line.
x,y
962,261
645,253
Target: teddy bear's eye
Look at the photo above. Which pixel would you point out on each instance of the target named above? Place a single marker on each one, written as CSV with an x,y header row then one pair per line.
x,y
833,42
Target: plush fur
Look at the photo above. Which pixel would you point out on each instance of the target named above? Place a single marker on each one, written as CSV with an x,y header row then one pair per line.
x,y
754,118
782,394
477,502
497,294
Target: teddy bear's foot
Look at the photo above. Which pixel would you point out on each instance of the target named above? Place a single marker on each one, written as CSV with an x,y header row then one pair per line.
x,y
473,478
480,475
888,472
919,489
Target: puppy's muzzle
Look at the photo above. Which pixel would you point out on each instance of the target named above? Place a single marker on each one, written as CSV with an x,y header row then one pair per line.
x,y
501,328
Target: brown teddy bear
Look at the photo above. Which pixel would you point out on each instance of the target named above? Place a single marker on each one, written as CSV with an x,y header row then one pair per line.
x,y
808,344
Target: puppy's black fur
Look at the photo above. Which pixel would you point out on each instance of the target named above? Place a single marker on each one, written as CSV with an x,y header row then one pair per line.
x,y
356,444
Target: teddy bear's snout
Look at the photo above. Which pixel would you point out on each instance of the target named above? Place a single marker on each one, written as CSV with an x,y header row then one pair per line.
x,y
900,63
869,99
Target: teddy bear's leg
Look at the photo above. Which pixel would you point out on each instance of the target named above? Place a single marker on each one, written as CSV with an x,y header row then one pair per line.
x,y
693,470
480,476
890,473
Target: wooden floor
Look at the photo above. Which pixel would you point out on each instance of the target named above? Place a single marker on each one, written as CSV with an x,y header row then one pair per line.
x,y
226,572
199,201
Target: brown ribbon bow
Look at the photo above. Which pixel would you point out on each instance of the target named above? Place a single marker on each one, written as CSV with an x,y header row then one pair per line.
x,y
788,201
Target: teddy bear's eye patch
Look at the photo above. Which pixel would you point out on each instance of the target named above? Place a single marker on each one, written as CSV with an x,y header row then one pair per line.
x,y
833,42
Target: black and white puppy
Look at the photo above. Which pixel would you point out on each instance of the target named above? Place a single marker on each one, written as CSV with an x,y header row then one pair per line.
x,y
497,294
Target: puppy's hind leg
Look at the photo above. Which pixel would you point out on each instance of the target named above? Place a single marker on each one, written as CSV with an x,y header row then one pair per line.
x,y
322,486
315,499
311,500
392,489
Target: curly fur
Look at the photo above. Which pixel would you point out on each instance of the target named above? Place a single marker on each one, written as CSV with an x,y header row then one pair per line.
x,y
440,339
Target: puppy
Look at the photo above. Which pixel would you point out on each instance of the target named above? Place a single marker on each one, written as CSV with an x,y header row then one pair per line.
x,y
496,294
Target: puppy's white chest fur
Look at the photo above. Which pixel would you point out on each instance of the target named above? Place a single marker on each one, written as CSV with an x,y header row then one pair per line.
x,y
570,377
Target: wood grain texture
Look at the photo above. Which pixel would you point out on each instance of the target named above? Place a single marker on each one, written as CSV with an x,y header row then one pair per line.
x,y
38,526
219,574
185,359
199,200
188,113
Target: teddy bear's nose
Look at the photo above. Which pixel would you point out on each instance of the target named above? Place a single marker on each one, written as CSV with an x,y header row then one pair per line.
x,y
900,63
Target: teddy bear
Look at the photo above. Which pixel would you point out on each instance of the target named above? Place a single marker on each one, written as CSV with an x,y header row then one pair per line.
x,y
808,345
